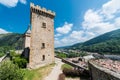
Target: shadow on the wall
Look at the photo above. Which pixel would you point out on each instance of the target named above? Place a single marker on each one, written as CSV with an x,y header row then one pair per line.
x,y
26,53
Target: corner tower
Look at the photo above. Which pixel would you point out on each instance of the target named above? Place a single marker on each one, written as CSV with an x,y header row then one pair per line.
x,y
27,35
42,37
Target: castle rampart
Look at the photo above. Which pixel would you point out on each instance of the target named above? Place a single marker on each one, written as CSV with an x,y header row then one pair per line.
x,y
43,11
101,73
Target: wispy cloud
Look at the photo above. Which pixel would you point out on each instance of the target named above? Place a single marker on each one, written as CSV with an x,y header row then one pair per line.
x,y
12,3
2,31
96,22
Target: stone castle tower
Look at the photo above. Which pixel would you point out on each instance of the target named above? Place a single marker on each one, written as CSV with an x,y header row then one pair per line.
x,y
27,37
41,37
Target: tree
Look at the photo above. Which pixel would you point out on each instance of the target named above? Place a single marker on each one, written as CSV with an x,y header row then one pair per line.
x,y
18,60
10,71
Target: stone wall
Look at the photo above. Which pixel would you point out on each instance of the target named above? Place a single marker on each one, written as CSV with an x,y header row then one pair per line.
x,y
42,37
27,40
100,73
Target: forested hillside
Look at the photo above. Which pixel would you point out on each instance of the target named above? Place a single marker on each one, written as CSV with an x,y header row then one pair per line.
x,y
13,40
106,43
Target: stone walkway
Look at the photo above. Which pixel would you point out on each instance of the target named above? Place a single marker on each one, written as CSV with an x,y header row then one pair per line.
x,y
1,59
56,70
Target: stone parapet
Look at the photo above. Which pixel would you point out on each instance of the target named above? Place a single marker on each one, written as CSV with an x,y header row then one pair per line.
x,y
39,10
100,73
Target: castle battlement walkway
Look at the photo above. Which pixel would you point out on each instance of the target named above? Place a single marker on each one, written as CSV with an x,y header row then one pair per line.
x,y
81,65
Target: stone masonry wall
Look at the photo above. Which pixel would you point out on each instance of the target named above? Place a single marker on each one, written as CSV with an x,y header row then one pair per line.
x,y
100,73
40,35
27,40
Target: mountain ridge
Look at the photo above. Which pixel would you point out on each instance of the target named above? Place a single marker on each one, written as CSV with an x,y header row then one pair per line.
x,y
106,43
14,40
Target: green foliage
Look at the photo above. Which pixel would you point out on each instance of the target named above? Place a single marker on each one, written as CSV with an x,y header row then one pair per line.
x,y
80,54
21,62
71,73
110,46
11,40
29,74
13,55
61,55
1,54
10,71
70,54
37,74
4,50
103,44
18,60
67,66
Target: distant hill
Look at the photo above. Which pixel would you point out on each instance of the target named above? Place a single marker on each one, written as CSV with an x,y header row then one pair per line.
x,y
13,40
106,43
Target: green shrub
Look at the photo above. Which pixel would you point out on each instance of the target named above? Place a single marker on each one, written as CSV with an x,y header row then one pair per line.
x,y
10,71
2,54
67,66
80,54
21,62
71,72
18,60
13,54
61,55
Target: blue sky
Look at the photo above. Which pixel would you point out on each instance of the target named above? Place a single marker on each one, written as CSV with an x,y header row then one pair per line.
x,y
75,21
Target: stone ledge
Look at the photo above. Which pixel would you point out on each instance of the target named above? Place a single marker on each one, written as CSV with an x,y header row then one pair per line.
x,y
100,69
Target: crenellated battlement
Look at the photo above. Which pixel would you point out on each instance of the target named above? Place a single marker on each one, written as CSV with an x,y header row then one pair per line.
x,y
39,10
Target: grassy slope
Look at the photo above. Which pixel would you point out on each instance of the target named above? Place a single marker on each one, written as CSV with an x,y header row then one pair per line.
x,y
38,74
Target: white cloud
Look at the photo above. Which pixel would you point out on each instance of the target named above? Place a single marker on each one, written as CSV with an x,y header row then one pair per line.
x,y
74,37
66,28
23,1
102,20
2,31
96,22
92,16
9,3
110,8
57,35
77,34
12,3
117,22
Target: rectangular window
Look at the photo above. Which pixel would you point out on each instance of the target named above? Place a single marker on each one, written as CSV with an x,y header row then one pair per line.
x,y
43,45
43,57
43,25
